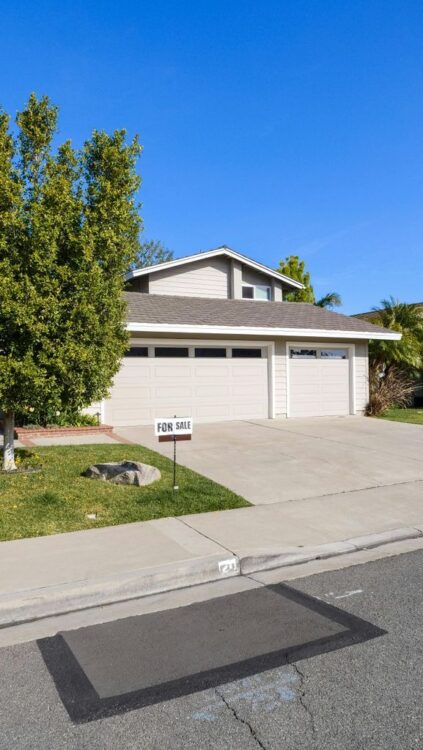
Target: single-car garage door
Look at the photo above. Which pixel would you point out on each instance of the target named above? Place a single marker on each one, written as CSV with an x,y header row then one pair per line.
x,y
209,383
319,381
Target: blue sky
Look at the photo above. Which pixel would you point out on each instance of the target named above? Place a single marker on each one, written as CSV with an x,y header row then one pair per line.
x,y
273,127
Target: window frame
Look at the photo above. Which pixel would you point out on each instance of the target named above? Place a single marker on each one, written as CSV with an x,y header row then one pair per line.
x,y
267,287
249,287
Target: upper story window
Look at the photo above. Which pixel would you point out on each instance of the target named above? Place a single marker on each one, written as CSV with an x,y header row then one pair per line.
x,y
256,291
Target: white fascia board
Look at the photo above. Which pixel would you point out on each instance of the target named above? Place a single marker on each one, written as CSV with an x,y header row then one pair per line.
x,y
256,331
211,254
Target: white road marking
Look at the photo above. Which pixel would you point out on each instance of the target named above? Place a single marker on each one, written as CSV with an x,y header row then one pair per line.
x,y
346,594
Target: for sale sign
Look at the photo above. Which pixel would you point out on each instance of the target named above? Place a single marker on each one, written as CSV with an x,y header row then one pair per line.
x,y
173,427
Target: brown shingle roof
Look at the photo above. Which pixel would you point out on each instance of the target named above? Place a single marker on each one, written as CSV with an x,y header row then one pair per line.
x,y
205,311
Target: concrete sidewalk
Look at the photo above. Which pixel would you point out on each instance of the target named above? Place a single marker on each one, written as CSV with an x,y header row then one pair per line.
x,y
47,576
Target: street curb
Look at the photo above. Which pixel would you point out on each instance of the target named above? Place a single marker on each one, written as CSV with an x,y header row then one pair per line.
x,y
38,604
265,560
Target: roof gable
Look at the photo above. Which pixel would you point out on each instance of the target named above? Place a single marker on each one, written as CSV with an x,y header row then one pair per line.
x,y
226,251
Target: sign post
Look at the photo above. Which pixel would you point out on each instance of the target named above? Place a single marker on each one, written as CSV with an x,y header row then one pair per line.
x,y
173,429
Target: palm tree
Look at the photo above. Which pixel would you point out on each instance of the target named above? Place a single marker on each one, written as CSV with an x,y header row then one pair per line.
x,y
331,299
406,353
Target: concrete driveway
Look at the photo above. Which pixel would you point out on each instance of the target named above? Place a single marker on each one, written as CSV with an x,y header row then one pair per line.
x,y
270,461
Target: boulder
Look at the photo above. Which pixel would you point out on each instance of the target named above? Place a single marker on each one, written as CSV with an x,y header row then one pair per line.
x,y
124,472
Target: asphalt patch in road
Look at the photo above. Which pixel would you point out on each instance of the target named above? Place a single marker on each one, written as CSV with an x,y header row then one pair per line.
x,y
107,669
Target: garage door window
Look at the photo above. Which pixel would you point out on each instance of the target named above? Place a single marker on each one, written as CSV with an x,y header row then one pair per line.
x,y
303,354
137,351
171,351
210,351
318,353
246,353
334,353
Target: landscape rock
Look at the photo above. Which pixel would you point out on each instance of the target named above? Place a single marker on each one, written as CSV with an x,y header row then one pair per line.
x,y
124,472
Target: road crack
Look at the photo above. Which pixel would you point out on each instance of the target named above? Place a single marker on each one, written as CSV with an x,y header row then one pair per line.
x,y
302,699
239,718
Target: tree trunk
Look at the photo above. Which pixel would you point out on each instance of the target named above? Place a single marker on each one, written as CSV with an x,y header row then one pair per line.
x,y
9,442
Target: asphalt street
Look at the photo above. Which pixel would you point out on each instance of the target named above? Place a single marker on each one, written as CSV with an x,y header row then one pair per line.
x,y
365,696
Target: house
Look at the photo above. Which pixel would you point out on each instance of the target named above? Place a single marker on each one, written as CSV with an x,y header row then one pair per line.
x,y
212,337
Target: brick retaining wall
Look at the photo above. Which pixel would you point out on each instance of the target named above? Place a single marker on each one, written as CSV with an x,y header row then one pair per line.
x,y
31,432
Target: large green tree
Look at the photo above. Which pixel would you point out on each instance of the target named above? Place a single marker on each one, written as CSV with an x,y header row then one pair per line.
x,y
69,229
150,253
295,268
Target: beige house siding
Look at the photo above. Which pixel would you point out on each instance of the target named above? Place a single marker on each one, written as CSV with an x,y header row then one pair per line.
x,y
208,278
236,280
361,376
277,294
280,378
219,277
250,276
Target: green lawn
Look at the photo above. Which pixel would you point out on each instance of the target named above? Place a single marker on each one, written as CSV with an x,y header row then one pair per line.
x,y
413,416
58,498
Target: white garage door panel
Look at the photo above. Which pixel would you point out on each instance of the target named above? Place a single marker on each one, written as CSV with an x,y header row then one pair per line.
x,y
319,387
179,371
207,389
220,372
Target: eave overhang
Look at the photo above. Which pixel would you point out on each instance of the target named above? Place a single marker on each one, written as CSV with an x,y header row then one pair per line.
x,y
310,333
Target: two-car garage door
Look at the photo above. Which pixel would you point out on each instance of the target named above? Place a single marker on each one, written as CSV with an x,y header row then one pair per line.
x,y
210,383
319,381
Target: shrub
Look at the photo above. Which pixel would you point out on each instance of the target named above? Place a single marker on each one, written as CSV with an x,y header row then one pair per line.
x,y
52,418
388,389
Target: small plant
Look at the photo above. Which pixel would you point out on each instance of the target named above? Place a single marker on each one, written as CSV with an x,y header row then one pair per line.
x,y
53,418
389,388
86,420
